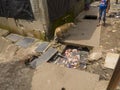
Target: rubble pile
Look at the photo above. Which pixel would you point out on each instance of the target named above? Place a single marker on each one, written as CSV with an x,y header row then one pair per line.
x,y
114,15
73,58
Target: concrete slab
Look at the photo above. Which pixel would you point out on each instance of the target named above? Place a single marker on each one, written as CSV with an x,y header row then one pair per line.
x,y
92,11
85,33
3,32
41,47
95,4
53,77
43,58
14,37
111,60
8,53
26,42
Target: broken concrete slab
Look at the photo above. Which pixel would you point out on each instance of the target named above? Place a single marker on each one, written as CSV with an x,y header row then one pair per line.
x,y
3,32
44,57
14,37
41,47
111,60
54,77
26,42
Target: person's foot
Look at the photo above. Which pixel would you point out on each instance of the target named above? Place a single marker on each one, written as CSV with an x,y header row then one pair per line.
x,y
104,24
98,25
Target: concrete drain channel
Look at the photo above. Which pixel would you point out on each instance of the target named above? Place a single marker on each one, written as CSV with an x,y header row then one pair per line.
x,y
90,17
70,57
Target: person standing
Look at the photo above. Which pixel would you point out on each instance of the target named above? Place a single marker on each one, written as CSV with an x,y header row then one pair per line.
x,y
102,11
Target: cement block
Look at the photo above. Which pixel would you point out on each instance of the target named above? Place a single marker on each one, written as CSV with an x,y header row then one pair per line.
x,y
54,77
111,60
44,57
14,37
42,47
4,32
26,42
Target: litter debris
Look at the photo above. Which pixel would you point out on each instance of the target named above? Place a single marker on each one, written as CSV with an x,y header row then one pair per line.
x,y
73,58
111,60
114,15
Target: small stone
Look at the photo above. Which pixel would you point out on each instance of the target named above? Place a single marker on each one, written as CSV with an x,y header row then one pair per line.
x,y
95,56
114,31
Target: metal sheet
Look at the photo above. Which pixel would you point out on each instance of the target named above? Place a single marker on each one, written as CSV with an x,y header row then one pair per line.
x,y
25,42
44,57
42,47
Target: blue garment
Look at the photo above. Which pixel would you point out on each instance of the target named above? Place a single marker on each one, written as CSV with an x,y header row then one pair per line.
x,y
102,10
103,4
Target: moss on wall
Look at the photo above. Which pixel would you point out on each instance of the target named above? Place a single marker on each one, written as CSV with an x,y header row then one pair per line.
x,y
69,17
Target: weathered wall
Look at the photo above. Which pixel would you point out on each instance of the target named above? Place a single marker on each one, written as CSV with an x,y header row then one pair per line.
x,y
40,26
77,6
34,28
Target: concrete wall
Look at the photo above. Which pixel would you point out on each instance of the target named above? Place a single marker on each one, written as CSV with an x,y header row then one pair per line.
x,y
40,26
77,6
36,28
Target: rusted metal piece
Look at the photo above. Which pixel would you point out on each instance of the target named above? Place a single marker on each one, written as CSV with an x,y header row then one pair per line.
x,y
115,78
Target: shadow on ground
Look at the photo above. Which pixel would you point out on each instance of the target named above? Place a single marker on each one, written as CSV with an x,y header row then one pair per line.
x,y
15,76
